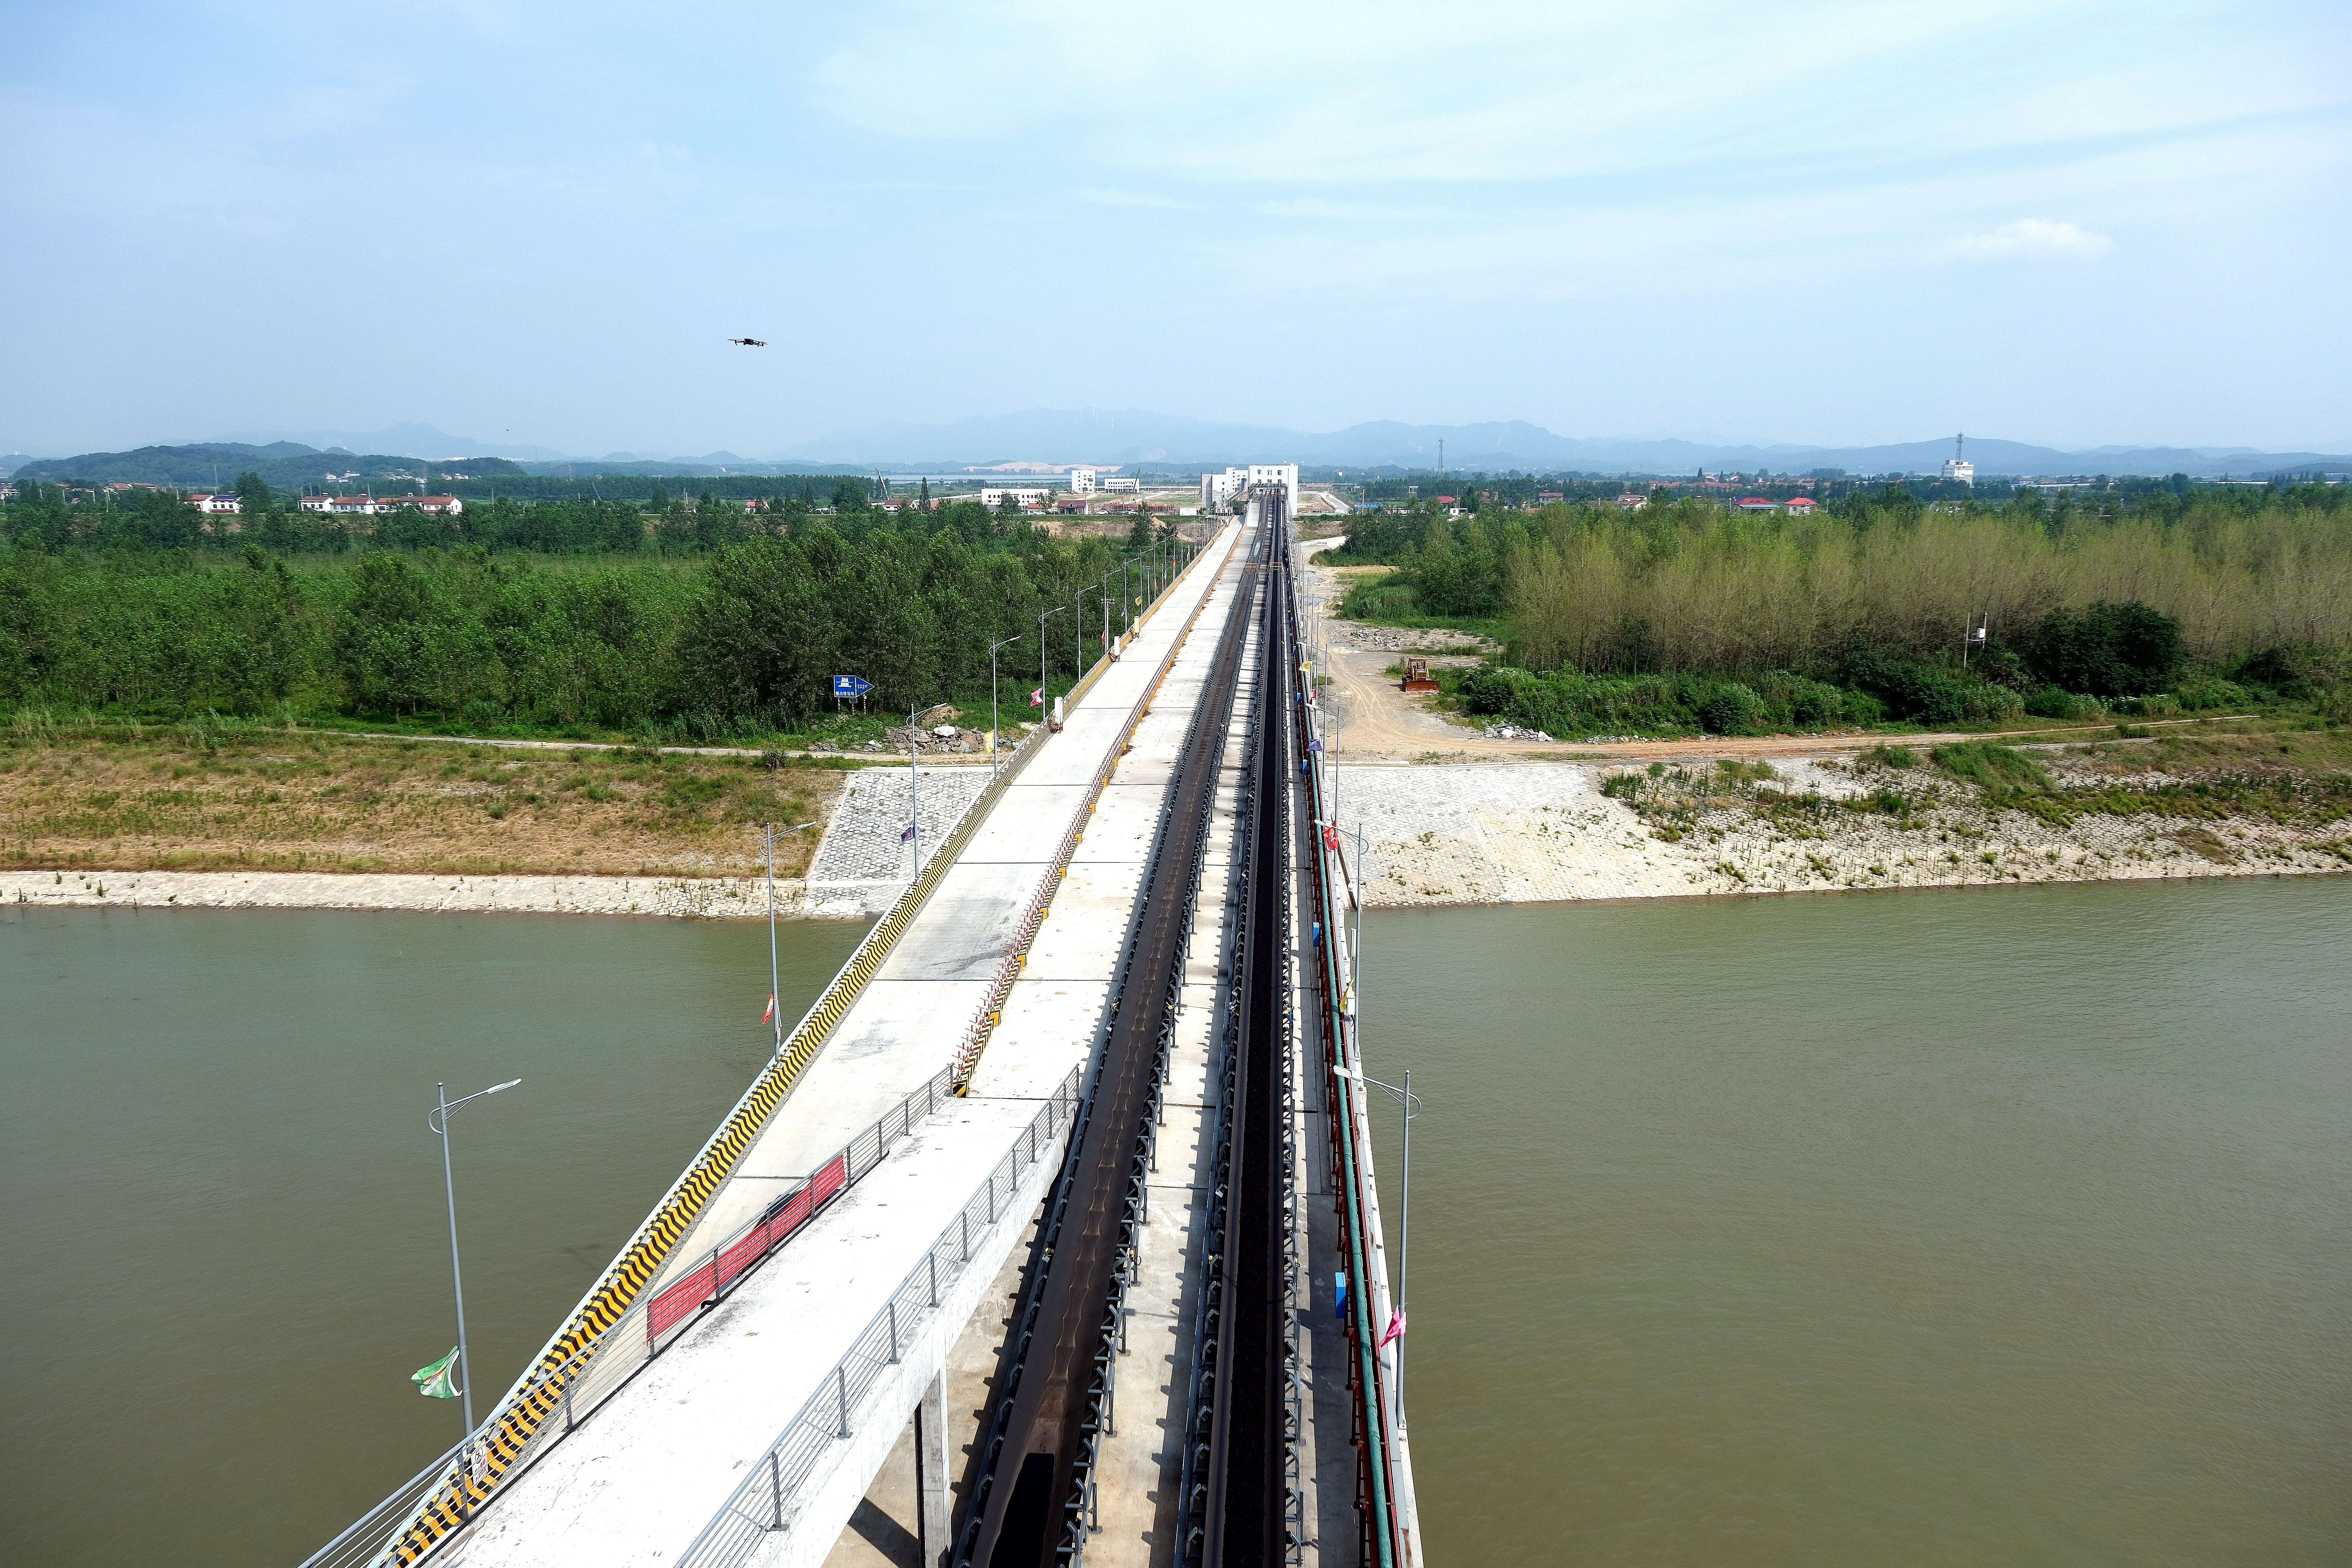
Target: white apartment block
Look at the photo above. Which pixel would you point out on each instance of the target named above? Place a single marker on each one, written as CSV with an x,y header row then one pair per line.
x,y
1082,481
1283,474
1127,487
1021,497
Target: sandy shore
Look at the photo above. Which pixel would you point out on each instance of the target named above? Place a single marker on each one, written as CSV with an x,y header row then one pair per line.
x,y
1492,833
742,897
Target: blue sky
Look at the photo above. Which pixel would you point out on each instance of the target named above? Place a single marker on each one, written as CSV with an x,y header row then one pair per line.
x,y
2075,223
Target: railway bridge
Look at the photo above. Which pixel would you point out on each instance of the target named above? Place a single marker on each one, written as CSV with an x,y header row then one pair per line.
x,y
1050,1235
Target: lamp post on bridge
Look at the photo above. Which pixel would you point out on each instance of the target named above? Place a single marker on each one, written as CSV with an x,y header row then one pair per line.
x,y
1404,1096
437,1118
1044,692
995,732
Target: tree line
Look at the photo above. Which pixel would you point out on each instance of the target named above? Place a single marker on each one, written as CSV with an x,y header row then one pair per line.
x,y
1865,610
738,635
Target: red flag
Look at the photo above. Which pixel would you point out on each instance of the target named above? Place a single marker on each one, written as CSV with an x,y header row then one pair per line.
x,y
1395,1330
1330,837
1037,698
772,1008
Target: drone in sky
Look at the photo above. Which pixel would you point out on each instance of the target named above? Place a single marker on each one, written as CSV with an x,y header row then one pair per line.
x,y
749,343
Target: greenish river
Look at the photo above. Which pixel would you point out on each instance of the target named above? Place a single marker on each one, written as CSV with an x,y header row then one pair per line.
x,y
227,1238
1991,1226
1968,1226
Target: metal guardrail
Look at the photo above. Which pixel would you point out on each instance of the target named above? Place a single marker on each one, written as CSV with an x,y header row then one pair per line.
x,y
446,1495
767,1499
991,1010
1391,1519
584,1380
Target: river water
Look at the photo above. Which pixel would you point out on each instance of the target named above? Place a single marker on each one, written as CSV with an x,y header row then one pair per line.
x,y
225,1237
1959,1226
1988,1226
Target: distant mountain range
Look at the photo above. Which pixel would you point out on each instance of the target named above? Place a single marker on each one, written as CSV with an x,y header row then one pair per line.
x,y
1137,439
284,465
1133,439
411,440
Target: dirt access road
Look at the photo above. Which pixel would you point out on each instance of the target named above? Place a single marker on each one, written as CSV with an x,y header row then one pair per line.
x,y
1381,724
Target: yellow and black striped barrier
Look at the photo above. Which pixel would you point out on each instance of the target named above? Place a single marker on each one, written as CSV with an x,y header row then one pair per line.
x,y
508,1436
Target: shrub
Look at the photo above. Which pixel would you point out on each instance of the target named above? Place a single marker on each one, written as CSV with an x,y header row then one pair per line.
x,y
1493,688
2054,702
1915,691
1988,704
2108,651
1816,705
2209,694
1732,709
2156,705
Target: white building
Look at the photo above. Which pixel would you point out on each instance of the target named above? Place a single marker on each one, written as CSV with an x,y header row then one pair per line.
x,y
1283,474
1022,497
1082,481
1127,487
1218,490
217,503
1958,468
342,506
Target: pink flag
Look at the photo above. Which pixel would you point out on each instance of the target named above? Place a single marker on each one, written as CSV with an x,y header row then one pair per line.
x,y
1395,1330
1037,698
772,1008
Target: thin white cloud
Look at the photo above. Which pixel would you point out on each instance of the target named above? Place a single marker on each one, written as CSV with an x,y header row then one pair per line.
x,y
2030,236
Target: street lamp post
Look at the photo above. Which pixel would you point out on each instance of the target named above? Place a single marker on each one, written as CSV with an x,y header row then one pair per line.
x,y
1404,1097
995,743
775,1011
1044,694
437,1118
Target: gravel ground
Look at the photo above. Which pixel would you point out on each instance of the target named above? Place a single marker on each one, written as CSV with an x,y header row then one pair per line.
x,y
1495,833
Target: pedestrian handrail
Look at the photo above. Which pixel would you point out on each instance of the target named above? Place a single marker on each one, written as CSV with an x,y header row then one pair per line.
x,y
1385,1476
594,1374
991,1010
768,1498
516,1428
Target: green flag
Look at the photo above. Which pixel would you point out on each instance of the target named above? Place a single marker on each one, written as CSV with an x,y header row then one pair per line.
x,y
439,1380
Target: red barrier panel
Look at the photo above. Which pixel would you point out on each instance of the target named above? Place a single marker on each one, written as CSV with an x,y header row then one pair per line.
x,y
830,1180
679,1301
733,1260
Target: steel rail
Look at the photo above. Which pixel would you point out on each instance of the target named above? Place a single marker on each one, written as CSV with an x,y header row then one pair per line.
x,y
1042,1409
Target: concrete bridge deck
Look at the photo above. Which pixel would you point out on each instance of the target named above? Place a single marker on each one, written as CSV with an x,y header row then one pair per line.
x,y
637,1482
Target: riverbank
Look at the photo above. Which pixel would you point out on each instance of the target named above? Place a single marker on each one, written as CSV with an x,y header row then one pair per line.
x,y
705,897
1880,817
243,800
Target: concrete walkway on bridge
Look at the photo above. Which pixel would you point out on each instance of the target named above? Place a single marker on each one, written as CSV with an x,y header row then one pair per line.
x,y
638,1481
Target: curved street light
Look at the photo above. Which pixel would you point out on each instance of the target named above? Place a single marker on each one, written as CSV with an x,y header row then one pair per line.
x,y
995,731
437,1118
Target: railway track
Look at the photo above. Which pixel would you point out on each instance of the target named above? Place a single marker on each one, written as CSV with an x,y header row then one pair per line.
x,y
1033,1482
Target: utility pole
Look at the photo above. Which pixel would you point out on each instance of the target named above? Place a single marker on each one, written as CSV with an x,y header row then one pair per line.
x,y
995,732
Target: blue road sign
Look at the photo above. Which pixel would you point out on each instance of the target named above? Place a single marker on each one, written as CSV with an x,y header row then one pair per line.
x,y
851,686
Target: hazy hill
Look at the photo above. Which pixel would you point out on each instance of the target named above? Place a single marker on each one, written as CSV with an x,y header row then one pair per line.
x,y
286,465
1135,438
412,440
